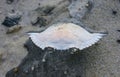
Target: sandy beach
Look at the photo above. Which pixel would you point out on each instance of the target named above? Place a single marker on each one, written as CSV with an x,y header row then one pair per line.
x,y
101,60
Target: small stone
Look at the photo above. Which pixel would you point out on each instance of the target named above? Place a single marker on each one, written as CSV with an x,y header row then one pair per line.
x,y
15,69
39,21
118,30
49,49
1,54
11,21
114,12
118,41
43,60
39,4
48,10
9,1
26,71
87,5
73,50
65,72
12,18
42,22
13,29
0,12
35,21
45,56
32,68
45,11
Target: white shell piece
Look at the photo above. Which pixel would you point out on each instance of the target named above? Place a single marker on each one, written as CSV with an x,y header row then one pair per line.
x,y
64,36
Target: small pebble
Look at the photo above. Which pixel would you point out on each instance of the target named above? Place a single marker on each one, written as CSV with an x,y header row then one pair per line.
x,y
9,1
11,21
26,71
45,11
15,70
114,12
65,72
39,21
12,18
39,4
0,12
118,30
48,10
35,21
13,29
74,50
49,49
118,41
32,68
87,5
43,60
1,54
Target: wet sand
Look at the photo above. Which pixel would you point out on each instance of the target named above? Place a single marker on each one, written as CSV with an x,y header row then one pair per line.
x,y
103,61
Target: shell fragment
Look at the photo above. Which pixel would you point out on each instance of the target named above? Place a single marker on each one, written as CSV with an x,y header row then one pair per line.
x,y
64,36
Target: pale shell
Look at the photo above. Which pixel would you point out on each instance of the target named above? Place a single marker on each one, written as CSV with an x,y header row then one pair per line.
x,y
63,36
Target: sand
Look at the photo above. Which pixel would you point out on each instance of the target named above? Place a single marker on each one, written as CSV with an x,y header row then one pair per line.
x,y
103,61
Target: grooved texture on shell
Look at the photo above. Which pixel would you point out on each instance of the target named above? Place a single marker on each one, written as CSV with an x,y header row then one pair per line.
x,y
64,36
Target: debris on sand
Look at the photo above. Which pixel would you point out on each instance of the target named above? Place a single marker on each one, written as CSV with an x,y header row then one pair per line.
x,y
0,12
1,56
39,21
118,30
46,10
9,1
8,22
12,19
79,8
41,15
114,12
15,70
118,41
14,29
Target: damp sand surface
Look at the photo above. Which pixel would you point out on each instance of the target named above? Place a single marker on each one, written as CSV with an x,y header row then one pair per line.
x,y
101,60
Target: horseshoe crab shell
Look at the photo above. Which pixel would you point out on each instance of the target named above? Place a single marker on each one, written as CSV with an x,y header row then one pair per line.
x,y
64,36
